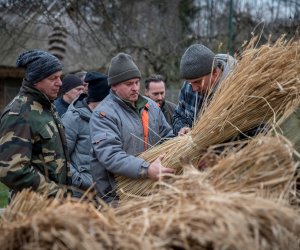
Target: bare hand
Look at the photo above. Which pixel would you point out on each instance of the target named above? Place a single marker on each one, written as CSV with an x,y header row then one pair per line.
x,y
184,131
156,169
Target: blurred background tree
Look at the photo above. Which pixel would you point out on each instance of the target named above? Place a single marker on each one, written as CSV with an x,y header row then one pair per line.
x,y
156,32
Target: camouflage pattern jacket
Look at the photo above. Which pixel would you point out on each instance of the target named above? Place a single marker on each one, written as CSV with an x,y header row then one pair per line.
x,y
33,152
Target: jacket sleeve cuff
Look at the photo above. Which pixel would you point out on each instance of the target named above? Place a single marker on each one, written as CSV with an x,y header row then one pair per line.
x,y
144,170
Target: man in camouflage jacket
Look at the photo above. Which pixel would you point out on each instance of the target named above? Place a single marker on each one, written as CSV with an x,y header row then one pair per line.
x,y
33,151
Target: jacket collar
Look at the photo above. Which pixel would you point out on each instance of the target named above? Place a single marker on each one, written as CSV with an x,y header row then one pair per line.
x,y
140,103
28,89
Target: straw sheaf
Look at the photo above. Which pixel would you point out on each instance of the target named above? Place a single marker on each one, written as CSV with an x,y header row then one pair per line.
x,y
190,214
57,225
264,167
264,84
25,204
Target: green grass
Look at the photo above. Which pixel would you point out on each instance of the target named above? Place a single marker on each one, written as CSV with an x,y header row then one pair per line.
x,y
3,195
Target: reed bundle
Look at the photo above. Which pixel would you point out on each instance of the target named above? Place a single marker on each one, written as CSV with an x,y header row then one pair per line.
x,y
55,225
61,224
264,167
25,204
264,84
190,214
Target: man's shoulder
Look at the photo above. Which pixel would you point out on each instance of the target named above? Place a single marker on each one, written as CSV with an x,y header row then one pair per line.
x,y
151,104
23,110
170,104
187,93
19,105
150,101
58,101
109,107
226,59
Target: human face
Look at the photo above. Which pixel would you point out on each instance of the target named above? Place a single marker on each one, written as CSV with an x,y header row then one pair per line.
x,y
156,91
50,86
73,93
128,90
205,83
86,87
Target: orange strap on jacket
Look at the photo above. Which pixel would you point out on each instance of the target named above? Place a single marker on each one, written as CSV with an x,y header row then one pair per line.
x,y
145,123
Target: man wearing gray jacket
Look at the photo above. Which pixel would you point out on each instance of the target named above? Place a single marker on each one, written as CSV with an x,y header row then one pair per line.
x,y
123,126
203,71
76,123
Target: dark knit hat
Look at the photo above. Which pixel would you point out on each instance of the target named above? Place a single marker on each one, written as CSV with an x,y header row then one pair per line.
x,y
98,86
38,65
122,68
197,61
70,82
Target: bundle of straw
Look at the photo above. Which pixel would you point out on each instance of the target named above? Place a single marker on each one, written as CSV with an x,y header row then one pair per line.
x,y
58,223
55,225
264,167
190,214
25,204
264,84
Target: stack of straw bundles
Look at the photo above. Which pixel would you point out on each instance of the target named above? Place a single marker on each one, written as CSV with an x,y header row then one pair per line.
x,y
190,214
54,224
264,84
264,167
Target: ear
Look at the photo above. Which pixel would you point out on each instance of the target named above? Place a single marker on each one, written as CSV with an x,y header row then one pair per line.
x,y
113,87
216,71
146,92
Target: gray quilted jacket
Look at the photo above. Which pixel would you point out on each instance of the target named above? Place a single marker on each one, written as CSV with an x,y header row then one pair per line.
x,y
117,139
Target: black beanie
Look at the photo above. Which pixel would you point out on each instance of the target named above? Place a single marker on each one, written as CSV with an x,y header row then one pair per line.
x,y
38,65
70,82
122,68
197,61
98,86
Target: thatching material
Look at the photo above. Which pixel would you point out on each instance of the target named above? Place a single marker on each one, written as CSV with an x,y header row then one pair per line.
x,y
264,167
264,84
54,225
25,204
61,224
190,214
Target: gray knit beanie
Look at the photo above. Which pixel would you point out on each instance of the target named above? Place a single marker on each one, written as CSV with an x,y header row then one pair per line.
x,y
197,61
38,65
122,68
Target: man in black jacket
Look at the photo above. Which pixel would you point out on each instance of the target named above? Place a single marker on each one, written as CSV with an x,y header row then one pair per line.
x,y
155,89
